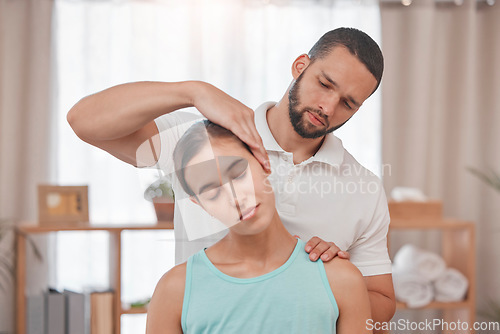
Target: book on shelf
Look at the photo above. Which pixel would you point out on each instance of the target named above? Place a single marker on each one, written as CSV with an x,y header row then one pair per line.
x,y
75,312
55,316
35,314
101,312
53,312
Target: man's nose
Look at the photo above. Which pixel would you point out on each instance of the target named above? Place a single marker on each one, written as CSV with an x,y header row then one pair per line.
x,y
329,104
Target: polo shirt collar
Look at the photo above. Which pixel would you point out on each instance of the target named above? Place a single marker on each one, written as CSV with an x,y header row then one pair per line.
x,y
330,152
270,143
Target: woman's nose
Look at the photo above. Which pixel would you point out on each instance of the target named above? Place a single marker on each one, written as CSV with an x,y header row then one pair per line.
x,y
238,194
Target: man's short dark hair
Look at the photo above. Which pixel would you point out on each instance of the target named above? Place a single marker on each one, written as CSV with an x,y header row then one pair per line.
x,y
358,43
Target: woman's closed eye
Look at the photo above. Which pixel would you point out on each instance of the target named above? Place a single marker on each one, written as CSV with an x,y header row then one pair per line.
x,y
211,194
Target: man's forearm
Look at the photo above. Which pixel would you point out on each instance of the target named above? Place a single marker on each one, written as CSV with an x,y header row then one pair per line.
x,y
382,307
121,110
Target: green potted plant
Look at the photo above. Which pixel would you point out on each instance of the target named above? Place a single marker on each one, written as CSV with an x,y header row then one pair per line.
x,y
160,192
492,179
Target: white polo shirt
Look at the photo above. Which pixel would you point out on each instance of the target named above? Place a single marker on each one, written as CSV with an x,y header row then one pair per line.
x,y
330,195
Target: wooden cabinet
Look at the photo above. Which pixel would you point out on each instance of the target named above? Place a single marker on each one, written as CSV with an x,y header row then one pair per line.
x,y
115,262
458,249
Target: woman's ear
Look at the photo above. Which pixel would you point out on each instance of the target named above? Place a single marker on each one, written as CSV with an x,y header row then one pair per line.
x,y
300,64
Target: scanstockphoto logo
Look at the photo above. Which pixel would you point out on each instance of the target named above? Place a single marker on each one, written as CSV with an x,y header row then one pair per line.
x,y
439,325
317,169
325,180
335,185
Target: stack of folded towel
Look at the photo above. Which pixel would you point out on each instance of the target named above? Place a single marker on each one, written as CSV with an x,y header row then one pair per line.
x,y
421,276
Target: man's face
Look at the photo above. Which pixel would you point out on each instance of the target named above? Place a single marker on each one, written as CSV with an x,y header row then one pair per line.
x,y
328,92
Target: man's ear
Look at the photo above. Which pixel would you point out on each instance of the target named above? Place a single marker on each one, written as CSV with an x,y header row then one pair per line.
x,y
300,64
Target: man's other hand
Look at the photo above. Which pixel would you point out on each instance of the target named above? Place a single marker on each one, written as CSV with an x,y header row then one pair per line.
x,y
318,248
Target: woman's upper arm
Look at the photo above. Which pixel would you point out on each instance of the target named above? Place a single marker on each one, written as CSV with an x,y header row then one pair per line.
x,y
165,308
351,294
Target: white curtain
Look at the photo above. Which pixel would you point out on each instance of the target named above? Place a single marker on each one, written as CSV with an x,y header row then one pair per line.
x,y
442,114
25,130
246,48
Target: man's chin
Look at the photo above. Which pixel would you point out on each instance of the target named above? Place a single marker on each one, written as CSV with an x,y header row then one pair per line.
x,y
311,135
309,131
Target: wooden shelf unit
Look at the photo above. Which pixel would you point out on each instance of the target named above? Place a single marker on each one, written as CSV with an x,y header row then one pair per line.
x,y
115,258
458,249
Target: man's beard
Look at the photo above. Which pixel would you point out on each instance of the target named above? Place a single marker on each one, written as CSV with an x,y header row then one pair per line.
x,y
300,125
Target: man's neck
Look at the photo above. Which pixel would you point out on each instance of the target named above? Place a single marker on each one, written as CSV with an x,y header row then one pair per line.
x,y
281,128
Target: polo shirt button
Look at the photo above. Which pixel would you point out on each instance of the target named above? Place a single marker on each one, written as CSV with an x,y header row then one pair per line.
x,y
290,179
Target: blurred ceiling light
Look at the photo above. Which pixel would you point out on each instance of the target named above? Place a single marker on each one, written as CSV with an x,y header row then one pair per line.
x,y
456,2
449,2
461,2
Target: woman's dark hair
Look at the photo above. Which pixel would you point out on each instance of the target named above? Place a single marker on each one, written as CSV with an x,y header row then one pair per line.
x,y
358,43
192,141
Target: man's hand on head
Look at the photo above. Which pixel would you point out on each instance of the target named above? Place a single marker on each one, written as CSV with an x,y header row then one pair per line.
x,y
233,115
318,248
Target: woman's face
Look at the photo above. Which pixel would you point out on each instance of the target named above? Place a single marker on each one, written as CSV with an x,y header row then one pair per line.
x,y
230,184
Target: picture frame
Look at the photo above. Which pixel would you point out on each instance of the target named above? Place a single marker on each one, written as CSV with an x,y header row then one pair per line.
x,y
62,204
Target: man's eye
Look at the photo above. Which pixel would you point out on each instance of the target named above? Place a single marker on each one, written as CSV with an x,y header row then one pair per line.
x,y
322,84
348,105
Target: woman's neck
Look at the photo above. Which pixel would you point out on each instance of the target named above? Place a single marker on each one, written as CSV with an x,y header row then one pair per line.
x,y
252,255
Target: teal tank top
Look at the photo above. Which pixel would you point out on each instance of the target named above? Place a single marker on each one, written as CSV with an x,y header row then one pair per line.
x,y
294,298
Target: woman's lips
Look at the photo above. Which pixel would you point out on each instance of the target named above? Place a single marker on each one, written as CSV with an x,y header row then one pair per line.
x,y
248,213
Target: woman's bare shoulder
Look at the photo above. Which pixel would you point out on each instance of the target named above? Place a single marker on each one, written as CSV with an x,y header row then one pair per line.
x,y
342,274
174,279
165,308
